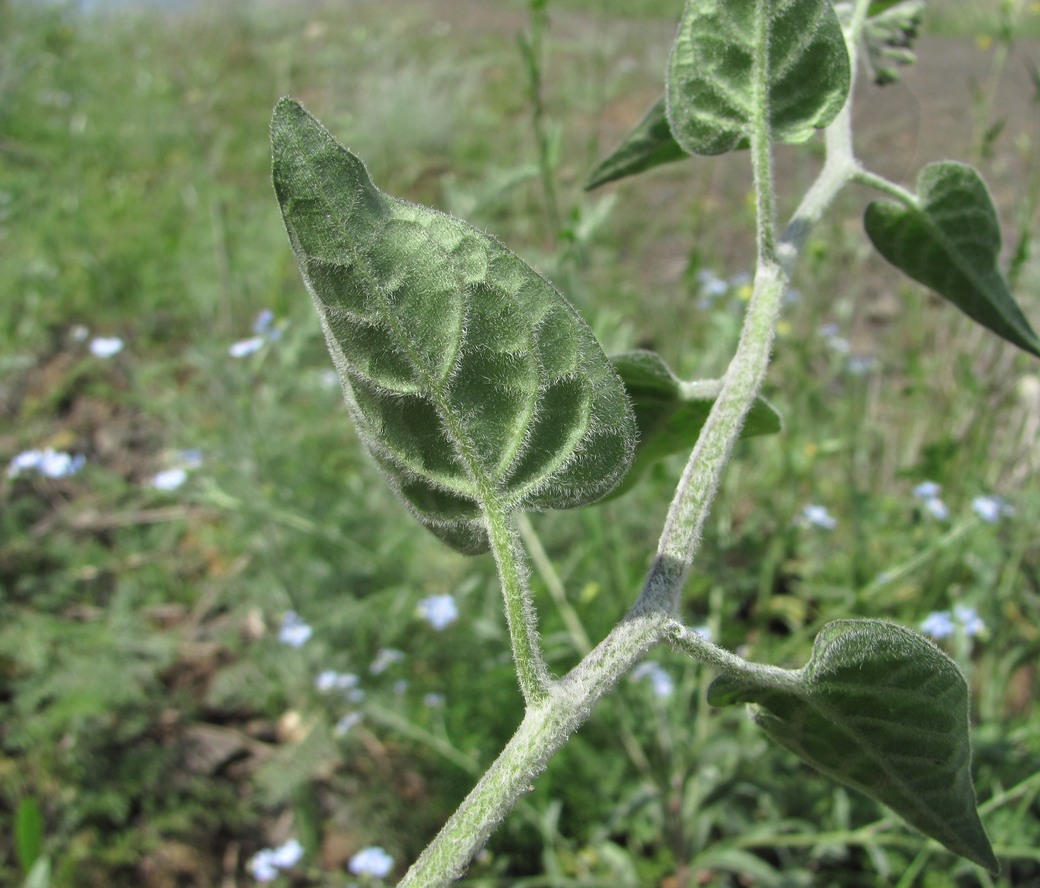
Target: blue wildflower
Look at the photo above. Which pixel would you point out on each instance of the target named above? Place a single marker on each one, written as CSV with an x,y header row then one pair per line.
x,y
661,682
943,624
384,659
928,492
47,462
969,620
346,724
371,861
938,624
266,863
818,516
170,479
330,680
440,611
294,631
991,508
105,346
704,632
245,347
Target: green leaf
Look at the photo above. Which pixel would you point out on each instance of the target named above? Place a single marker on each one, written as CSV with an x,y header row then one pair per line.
x,y
650,144
472,381
881,709
670,412
889,37
28,833
950,241
732,55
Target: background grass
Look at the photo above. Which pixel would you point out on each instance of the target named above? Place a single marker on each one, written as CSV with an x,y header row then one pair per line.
x,y
151,717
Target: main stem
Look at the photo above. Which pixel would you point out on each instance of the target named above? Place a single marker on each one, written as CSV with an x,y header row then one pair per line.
x,y
565,704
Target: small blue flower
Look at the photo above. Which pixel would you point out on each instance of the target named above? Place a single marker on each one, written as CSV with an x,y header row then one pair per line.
x,y
938,624
294,631
384,659
346,724
943,624
661,682
927,490
704,632
264,326
710,284
371,861
48,462
440,611
287,855
106,346
169,479
330,680
263,322
190,458
246,347
969,619
829,333
433,701
261,867
937,508
818,516
266,863
860,365
991,508
180,463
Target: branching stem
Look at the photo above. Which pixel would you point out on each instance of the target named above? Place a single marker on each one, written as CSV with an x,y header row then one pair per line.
x,y
556,709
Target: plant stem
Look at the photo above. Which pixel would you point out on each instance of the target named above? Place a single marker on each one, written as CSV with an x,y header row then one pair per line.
x,y
520,615
545,728
562,706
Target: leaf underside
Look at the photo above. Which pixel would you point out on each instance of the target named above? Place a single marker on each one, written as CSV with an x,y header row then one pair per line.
x,y
670,413
950,242
472,381
731,56
881,709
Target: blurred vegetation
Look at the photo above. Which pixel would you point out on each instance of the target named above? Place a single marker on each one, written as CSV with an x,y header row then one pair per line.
x,y
155,731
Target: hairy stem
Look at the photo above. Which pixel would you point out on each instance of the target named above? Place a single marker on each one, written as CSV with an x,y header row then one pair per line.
x,y
520,616
564,705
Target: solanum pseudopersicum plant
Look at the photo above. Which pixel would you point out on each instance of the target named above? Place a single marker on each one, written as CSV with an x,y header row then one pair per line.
x,y
481,393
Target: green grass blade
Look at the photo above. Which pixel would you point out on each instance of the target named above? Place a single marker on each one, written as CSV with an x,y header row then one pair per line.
x,y
470,378
727,51
881,709
950,242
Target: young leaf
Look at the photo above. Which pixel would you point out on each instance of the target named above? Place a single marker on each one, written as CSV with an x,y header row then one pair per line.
x,y
881,709
730,56
670,412
950,242
889,37
650,144
472,381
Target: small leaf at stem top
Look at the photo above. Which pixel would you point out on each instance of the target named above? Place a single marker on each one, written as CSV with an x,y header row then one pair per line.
x,y
881,709
950,241
473,382
734,60
670,413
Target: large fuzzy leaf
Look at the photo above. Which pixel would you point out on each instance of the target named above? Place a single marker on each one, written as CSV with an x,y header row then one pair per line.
x,y
950,241
670,413
473,382
881,709
734,59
